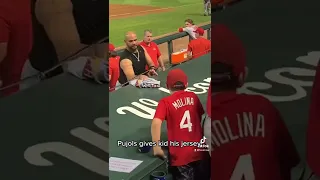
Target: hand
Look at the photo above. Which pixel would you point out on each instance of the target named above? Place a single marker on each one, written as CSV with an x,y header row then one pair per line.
x,y
152,72
143,77
162,68
157,151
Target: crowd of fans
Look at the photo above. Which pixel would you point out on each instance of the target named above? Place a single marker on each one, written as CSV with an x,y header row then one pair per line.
x,y
142,59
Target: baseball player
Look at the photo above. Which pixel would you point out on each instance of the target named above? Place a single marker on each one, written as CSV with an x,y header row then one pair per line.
x,y
198,47
189,27
207,7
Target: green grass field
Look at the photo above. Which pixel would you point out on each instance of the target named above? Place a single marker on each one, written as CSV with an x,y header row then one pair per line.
x,y
159,23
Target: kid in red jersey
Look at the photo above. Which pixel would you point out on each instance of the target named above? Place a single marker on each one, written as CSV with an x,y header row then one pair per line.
x,y
249,139
183,112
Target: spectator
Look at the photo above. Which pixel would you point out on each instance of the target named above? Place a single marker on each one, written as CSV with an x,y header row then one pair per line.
x,y
199,46
189,28
114,69
207,7
15,41
153,50
133,60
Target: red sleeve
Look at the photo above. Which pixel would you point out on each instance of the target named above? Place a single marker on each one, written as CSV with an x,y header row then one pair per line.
x,y
110,71
4,31
180,29
288,154
189,47
313,132
161,111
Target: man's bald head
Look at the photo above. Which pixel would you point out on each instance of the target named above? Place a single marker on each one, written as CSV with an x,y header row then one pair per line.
x,y
130,34
131,40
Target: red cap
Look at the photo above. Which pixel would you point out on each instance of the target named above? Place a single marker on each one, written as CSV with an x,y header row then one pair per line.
x,y
111,47
175,76
227,48
200,31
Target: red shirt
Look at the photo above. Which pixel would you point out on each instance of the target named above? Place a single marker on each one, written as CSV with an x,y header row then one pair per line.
x,y
209,102
313,133
250,139
183,111
16,30
114,71
199,47
153,52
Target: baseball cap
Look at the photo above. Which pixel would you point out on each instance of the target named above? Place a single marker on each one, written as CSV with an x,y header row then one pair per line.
x,y
200,31
227,49
111,47
176,78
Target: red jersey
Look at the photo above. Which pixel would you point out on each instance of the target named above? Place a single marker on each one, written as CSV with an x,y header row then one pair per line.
x,y
183,111
209,102
313,133
16,30
114,71
153,52
249,139
199,47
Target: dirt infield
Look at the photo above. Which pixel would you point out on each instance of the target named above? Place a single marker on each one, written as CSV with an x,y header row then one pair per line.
x,y
118,11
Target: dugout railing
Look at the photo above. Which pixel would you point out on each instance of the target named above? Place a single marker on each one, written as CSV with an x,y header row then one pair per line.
x,y
170,38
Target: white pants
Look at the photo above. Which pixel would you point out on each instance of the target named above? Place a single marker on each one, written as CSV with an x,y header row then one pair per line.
x,y
207,131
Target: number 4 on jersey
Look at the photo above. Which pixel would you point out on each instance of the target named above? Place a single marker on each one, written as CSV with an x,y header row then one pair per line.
x,y
243,169
186,121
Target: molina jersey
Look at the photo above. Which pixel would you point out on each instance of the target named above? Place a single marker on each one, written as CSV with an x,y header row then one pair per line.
x,y
183,112
249,139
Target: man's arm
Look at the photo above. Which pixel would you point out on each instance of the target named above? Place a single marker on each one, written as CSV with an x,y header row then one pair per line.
x,y
66,40
126,66
160,59
159,116
156,129
148,58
